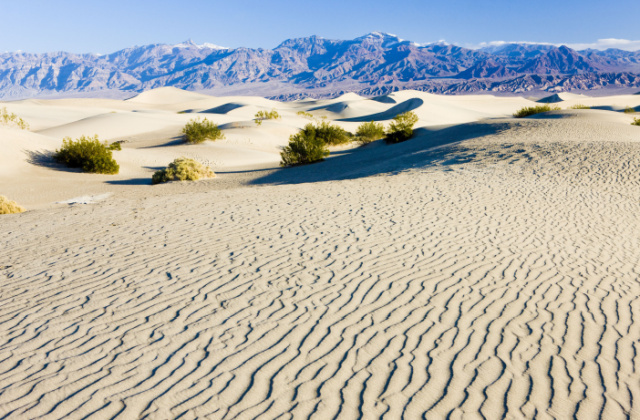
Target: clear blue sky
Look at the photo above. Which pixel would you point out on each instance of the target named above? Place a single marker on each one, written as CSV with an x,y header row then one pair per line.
x,y
107,26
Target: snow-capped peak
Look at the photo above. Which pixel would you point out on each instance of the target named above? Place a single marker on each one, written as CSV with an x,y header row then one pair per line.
x,y
190,44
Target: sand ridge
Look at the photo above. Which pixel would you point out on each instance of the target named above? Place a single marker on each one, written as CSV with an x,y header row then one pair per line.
x,y
483,269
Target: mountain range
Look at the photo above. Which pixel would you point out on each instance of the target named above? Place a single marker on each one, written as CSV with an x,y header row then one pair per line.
x,y
374,64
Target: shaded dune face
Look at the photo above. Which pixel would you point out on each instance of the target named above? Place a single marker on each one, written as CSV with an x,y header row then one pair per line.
x,y
483,269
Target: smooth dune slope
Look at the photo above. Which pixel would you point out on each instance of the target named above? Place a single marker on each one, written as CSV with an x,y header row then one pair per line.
x,y
483,270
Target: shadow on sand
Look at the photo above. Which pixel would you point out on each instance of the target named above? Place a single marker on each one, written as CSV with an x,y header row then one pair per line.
x,y
379,158
133,181
175,141
46,160
406,106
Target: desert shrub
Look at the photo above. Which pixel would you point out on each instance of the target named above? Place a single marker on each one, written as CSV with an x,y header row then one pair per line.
x,y
10,118
264,115
331,134
197,131
306,146
629,110
9,206
182,169
636,121
401,128
580,106
304,114
532,110
369,131
117,145
88,154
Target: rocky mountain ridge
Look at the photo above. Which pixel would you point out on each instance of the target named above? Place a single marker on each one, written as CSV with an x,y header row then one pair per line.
x,y
318,67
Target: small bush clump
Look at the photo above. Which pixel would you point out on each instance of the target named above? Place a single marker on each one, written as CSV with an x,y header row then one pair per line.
x,y
369,131
88,154
182,169
304,147
304,114
197,131
532,110
9,206
264,115
10,118
331,134
401,128
636,121
580,106
629,110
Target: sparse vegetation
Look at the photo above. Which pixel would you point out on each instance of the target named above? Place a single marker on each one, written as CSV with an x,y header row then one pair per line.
x,y
629,110
401,128
304,114
369,131
636,121
9,206
10,118
88,154
306,146
580,106
331,134
116,145
197,131
532,110
264,115
182,169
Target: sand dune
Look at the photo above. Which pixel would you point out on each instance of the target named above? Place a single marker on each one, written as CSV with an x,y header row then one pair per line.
x,y
562,97
167,96
483,269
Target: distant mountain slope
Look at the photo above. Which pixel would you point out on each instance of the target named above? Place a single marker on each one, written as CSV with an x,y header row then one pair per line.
x,y
315,66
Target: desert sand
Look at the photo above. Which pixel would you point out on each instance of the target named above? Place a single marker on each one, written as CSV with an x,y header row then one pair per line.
x,y
487,268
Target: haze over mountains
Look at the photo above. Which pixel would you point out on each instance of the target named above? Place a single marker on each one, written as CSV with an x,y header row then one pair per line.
x,y
370,65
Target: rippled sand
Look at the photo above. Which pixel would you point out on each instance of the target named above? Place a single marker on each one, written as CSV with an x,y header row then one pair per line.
x,y
487,269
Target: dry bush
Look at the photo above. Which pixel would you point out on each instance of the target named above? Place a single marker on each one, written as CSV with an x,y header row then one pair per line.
x,y
7,118
182,169
304,114
369,131
532,110
9,206
88,154
401,128
580,106
197,131
304,147
264,115
636,121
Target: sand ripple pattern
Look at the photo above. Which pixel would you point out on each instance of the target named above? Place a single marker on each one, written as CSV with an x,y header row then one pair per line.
x,y
501,281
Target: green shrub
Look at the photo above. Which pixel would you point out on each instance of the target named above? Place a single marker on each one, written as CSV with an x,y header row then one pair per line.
x,y
331,134
528,111
9,206
304,147
117,145
264,115
182,169
369,131
197,131
580,106
629,110
401,128
7,119
88,154
636,121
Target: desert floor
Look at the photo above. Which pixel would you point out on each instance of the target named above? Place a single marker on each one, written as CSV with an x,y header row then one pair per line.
x,y
487,268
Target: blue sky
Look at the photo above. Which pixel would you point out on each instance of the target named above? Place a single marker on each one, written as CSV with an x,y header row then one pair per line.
x,y
106,26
